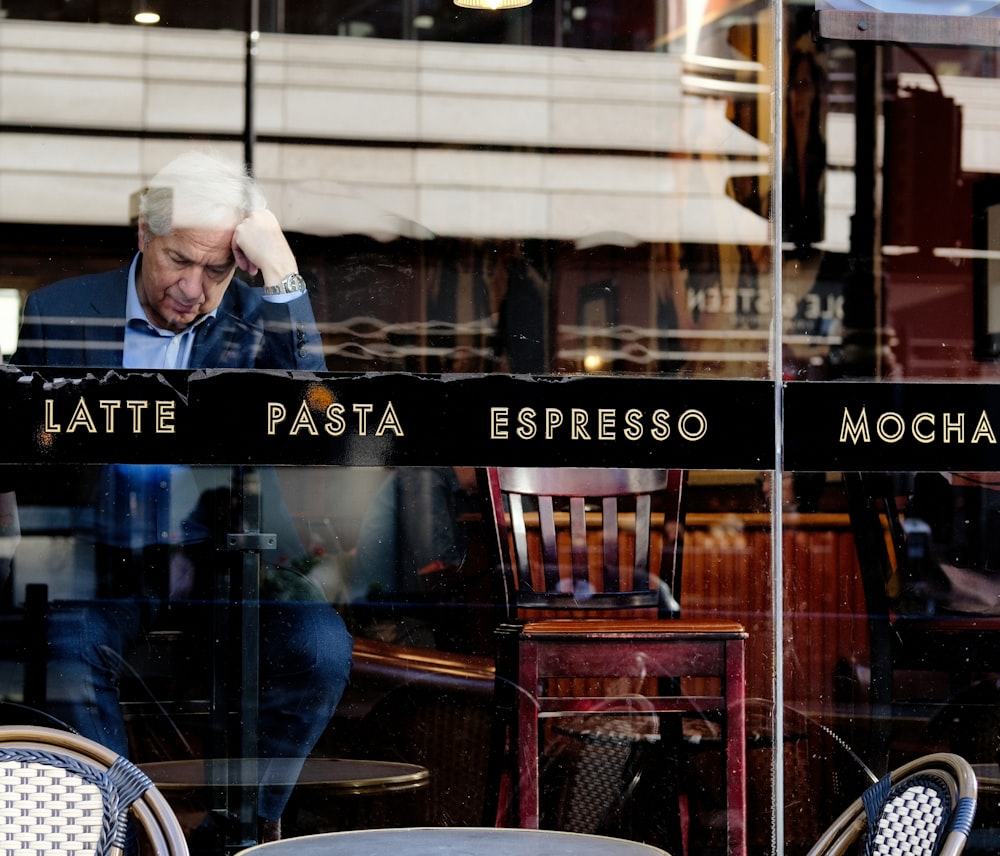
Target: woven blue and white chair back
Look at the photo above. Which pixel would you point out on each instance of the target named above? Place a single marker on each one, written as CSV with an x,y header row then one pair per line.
x,y
915,815
61,793
924,808
54,802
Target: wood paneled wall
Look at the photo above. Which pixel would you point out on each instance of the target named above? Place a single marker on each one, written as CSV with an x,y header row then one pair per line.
x,y
728,573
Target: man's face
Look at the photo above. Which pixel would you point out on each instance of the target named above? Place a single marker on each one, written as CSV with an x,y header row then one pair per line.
x,y
184,274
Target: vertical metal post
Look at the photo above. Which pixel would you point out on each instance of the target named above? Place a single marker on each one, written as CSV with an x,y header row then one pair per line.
x,y
408,10
249,83
36,618
861,288
246,604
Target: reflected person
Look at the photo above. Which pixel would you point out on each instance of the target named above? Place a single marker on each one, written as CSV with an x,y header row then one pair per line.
x,y
804,162
410,544
178,305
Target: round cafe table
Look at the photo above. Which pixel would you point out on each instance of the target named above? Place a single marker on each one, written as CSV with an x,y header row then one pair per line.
x,y
341,776
453,841
346,793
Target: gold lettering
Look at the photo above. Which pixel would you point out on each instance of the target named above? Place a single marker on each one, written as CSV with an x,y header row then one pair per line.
x,y
335,422
110,407
890,427
915,427
136,407
276,412
605,424
527,428
390,422
81,418
633,424
854,431
700,422
362,410
303,421
499,418
661,424
984,429
165,417
954,423
51,426
553,419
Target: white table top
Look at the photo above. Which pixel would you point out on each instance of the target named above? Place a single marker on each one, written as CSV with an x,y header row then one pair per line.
x,y
453,841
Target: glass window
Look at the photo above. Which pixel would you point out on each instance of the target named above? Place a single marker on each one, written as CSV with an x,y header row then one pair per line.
x,y
749,246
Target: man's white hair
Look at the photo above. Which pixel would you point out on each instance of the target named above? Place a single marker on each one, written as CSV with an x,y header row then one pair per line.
x,y
199,190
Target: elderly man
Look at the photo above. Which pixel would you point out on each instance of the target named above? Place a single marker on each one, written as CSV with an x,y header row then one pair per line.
x,y
178,305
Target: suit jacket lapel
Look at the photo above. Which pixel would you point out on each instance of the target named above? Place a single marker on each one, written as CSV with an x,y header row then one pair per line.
x,y
226,341
104,337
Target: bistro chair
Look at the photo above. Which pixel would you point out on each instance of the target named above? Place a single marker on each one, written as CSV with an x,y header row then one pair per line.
x,y
589,567
923,808
907,631
64,793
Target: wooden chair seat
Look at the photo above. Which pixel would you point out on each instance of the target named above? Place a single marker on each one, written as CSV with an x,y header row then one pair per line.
x,y
635,629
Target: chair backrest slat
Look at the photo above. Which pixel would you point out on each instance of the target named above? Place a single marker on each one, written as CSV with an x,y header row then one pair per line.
x,y
578,543
588,538
550,547
611,567
519,534
643,525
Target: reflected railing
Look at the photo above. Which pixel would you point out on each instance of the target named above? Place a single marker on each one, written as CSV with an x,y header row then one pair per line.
x,y
446,345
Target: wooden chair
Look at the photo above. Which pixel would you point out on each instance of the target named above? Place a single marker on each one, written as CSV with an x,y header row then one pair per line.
x,y
924,808
907,631
589,564
62,792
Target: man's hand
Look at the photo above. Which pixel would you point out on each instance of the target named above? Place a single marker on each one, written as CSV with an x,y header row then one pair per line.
x,y
259,244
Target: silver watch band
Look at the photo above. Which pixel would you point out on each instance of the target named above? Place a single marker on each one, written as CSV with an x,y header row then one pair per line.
x,y
289,285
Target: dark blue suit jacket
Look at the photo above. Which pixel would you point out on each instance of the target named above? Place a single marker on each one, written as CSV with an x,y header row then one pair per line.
x,y
81,322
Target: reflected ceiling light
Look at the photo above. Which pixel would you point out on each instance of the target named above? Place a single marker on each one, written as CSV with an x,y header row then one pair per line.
x,y
145,15
492,4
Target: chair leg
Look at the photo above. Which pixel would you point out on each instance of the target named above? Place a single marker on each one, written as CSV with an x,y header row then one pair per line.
x,y
736,745
656,813
500,770
526,737
497,765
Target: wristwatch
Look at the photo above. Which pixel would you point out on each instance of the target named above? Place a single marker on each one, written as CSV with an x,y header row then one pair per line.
x,y
291,284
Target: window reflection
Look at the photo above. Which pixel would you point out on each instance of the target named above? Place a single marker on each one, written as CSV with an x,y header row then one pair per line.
x,y
411,558
403,554
138,576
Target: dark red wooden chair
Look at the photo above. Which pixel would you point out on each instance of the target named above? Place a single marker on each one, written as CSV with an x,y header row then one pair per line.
x,y
589,562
